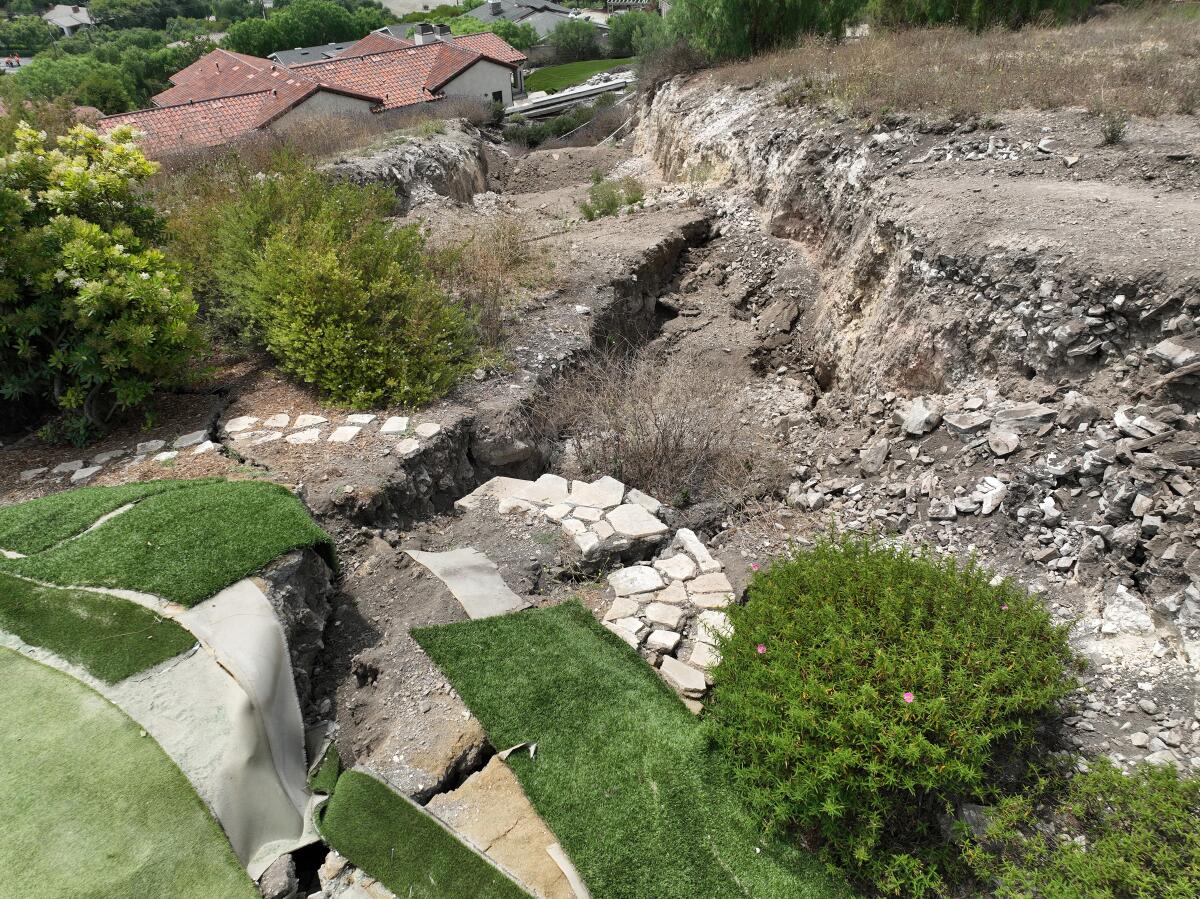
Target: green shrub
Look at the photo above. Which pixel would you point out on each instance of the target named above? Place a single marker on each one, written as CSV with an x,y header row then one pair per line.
x,y
608,197
574,40
92,317
864,691
1121,835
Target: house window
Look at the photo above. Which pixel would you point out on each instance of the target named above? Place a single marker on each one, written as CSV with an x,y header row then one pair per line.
x,y
497,96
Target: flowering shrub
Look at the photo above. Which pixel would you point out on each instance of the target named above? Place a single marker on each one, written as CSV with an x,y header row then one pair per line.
x,y
91,316
864,691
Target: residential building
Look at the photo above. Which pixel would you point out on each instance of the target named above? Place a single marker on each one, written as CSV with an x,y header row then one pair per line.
x,y
543,15
68,19
225,95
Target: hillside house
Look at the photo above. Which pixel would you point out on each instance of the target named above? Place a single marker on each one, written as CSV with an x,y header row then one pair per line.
x,y
225,95
68,19
543,15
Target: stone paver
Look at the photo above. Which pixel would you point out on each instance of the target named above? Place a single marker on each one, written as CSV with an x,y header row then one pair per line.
x,y
683,678
662,613
622,607
185,440
82,474
30,473
108,456
637,579
633,521
704,656
712,626
397,424
603,493
407,447
663,640
344,434
310,435
360,418
241,423
308,421
474,580
64,467
678,567
278,420
428,429
693,546
715,582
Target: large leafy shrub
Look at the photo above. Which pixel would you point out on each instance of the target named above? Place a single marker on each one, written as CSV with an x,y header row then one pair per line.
x,y
312,270
864,691
1109,834
91,315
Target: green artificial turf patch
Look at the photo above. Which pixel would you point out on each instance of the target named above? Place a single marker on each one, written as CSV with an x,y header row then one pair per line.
x,y
92,806
39,524
109,637
184,544
325,778
403,847
556,78
622,774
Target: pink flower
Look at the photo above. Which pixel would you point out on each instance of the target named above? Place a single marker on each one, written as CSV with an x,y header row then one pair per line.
x,y
754,566
1004,608
762,649
908,697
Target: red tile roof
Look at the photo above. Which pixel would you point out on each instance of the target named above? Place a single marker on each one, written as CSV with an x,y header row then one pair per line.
x,y
491,46
375,42
221,73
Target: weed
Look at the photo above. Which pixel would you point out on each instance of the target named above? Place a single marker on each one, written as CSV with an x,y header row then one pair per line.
x,y
1113,125
609,197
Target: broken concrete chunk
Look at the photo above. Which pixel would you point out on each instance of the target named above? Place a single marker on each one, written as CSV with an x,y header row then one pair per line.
x,y
697,550
647,502
622,607
634,522
397,424
305,421
921,416
236,425
1027,417
663,640
683,678
603,493
635,579
967,423
679,567
186,440
668,616
344,434
1003,443
312,435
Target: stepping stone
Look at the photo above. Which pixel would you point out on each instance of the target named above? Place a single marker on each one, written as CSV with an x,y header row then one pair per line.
x,y
269,437
633,625
665,614
206,447
622,607
474,580
312,435
549,489
683,678
397,424
589,543
510,505
711,583
588,514
407,447
678,567
663,641
64,467
344,434
83,474
279,420
693,546
147,447
558,512
428,429
360,418
241,423
632,641
675,594
572,526
167,456
30,473
704,657
713,626
108,456
711,600
634,522
637,579
308,421
246,436
603,493
647,502
186,440
602,529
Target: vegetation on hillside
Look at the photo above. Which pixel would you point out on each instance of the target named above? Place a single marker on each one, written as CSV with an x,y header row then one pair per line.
x,y
306,23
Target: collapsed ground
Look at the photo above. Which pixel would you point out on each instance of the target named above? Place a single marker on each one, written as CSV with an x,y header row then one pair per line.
x,y
951,331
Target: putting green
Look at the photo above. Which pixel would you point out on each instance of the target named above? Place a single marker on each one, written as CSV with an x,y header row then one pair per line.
x,y
94,808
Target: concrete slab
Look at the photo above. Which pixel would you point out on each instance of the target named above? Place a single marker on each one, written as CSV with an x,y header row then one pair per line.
x,y
344,434
474,580
397,424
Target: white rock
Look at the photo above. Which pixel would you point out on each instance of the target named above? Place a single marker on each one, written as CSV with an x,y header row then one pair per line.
x,y
557,512
269,437
683,678
549,489
1025,417
635,579
397,424
647,502
146,447
587,513
1125,613
511,505
83,474
635,522
678,567
572,526
622,607
108,456
206,447
588,544
311,435
1003,443
278,420
697,550
715,582
603,493
64,467
629,638
235,425
667,615
675,594
407,447
185,440
704,656
167,456
308,421
428,429
360,418
30,473
922,416
663,640
711,600
634,625
712,626
344,434
602,529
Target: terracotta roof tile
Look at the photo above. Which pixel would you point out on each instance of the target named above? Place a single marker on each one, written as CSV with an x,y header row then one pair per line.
x,y
397,75
220,73
191,126
449,61
492,46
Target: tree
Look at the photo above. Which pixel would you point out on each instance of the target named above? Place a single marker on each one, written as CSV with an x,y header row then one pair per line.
x,y
92,316
50,76
26,35
575,39
632,33
302,23
104,90
521,37
256,37
728,29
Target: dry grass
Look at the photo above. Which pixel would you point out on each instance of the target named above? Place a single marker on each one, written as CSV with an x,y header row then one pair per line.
x,y
1142,62
492,269
669,428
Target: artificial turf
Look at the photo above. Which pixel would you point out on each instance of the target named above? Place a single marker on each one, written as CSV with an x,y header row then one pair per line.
x,y
92,807
110,638
622,773
184,544
556,78
39,524
403,847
